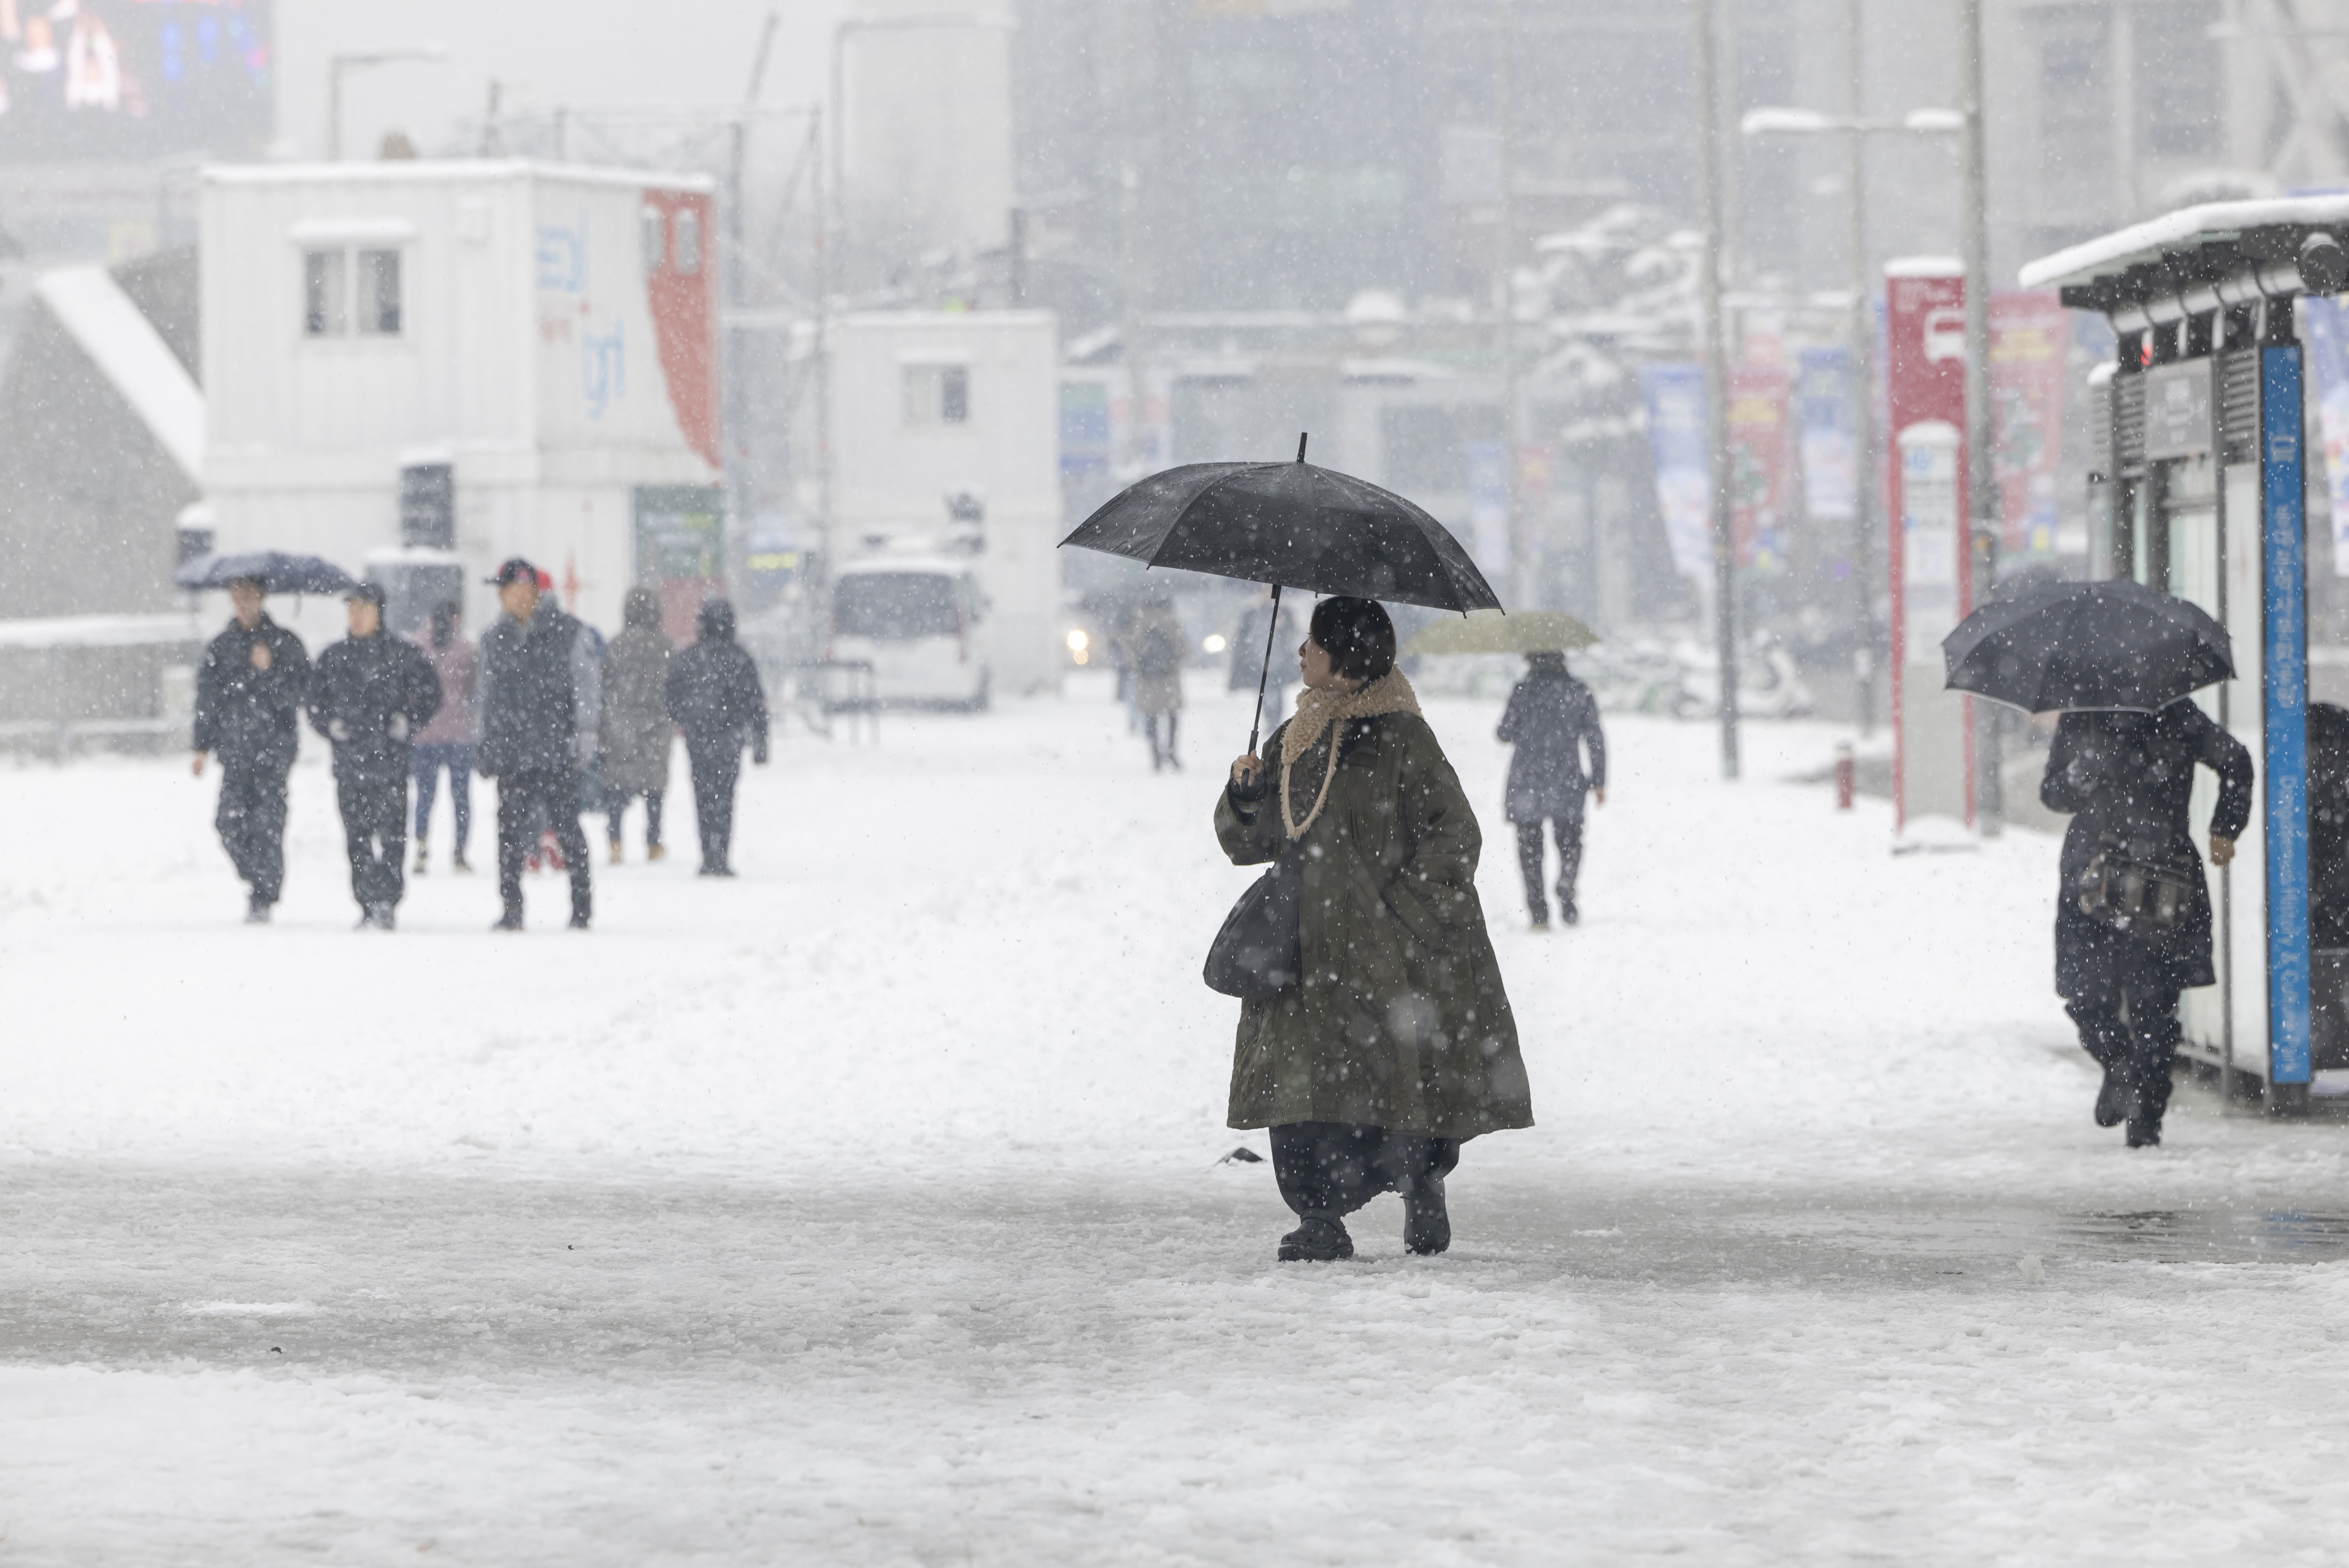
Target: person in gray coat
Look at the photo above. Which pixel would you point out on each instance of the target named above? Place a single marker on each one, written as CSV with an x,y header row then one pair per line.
x,y
1552,719
636,721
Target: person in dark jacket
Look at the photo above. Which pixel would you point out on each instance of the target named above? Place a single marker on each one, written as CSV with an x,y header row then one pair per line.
x,y
637,727
716,699
539,683
371,694
1552,719
2126,779
248,693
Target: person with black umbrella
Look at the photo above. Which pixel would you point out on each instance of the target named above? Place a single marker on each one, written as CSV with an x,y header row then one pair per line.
x,y
248,690
1394,1043
2133,923
370,695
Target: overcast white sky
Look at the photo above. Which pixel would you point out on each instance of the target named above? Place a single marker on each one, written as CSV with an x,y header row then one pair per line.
x,y
547,52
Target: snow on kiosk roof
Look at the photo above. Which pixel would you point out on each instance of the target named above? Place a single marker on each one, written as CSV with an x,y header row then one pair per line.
x,y
433,171
2199,259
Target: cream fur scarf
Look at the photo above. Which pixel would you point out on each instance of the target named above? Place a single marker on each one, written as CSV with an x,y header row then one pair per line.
x,y
1317,712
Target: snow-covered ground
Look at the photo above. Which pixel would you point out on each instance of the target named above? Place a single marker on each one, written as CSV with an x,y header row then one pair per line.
x,y
866,1209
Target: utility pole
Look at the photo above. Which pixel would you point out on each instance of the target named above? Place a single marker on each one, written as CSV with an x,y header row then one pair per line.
x,y
1506,266
1863,378
735,440
1981,491
1716,381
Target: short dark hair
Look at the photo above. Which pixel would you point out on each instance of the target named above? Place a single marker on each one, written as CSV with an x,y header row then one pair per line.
x,y
1357,636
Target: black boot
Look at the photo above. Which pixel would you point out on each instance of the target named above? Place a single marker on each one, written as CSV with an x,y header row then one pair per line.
x,y
1427,1225
2113,1099
1317,1240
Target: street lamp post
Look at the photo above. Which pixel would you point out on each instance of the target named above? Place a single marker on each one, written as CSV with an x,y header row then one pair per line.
x,y
1855,127
1981,491
339,64
1717,382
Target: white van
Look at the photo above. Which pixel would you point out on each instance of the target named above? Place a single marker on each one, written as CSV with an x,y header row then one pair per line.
x,y
915,621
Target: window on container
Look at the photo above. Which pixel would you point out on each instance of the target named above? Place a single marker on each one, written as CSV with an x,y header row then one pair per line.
x,y
378,299
895,606
688,240
325,293
656,240
937,394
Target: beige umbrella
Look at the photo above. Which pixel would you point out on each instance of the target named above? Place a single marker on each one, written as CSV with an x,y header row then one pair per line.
x,y
1490,632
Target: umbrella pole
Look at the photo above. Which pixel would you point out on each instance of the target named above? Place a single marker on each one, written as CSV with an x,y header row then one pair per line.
x,y
1270,632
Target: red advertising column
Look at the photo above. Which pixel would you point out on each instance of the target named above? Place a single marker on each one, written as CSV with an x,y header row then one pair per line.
x,y
1925,370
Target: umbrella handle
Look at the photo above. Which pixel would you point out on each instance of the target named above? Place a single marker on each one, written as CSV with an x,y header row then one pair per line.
x,y
1270,632
1300,445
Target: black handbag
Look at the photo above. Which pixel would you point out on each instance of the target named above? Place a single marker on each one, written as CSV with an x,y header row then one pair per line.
x,y
2132,892
1255,955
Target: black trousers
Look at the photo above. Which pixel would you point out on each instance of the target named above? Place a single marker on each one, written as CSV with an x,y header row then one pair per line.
x,y
1329,1169
252,823
1567,831
2138,1047
375,833
523,801
716,767
1160,757
616,806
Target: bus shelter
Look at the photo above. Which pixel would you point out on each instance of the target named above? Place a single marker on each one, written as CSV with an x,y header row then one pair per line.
x,y
2203,494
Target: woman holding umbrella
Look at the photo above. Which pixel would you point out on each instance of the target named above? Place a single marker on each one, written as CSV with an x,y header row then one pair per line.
x,y
1396,1044
2133,908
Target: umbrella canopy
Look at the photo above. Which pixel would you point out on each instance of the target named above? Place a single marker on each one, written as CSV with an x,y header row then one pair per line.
x,y
1290,524
1490,632
274,570
2115,645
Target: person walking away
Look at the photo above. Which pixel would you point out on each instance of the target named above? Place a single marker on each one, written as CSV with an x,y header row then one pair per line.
x,y
1396,1044
249,692
447,741
537,702
1551,720
1255,636
715,697
368,695
2126,779
1156,644
635,722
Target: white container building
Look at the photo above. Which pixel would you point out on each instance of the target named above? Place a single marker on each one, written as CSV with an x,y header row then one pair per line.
x,y
549,332
934,416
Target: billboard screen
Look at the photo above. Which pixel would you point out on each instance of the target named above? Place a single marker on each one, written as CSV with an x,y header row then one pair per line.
x,y
132,79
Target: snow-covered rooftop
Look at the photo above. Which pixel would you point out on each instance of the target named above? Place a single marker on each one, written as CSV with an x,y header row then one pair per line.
x,y
132,356
2107,254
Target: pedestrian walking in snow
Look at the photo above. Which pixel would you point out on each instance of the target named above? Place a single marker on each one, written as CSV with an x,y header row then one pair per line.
x,y
248,690
1155,645
540,683
369,695
1393,1043
1552,719
2133,906
636,730
715,697
1256,633
446,744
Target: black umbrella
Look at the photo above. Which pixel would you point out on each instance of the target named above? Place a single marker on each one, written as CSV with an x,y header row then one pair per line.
x,y
2088,646
274,570
1292,525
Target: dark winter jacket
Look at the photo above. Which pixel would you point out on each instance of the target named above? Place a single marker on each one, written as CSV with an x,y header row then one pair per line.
x,y
248,716
370,696
540,685
2328,825
1550,718
2129,775
636,727
713,686
1401,1020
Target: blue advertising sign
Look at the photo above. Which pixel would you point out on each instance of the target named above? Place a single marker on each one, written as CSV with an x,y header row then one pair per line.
x,y
1674,396
2324,334
1831,458
2284,659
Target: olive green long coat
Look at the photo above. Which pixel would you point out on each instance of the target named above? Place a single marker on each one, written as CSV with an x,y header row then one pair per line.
x,y
1400,1021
